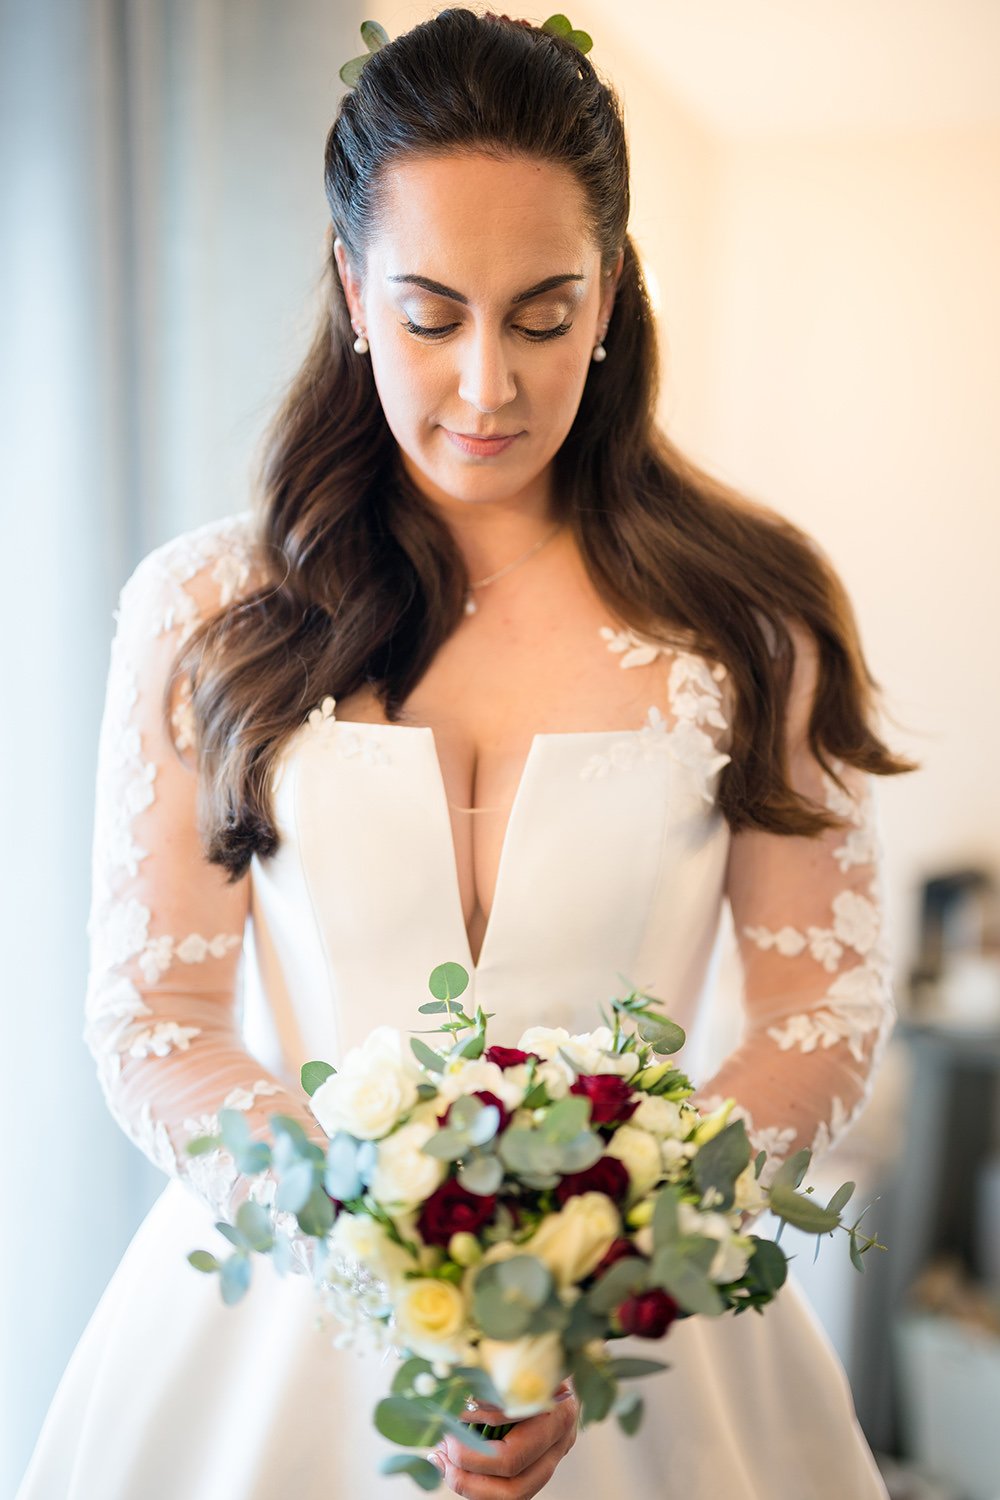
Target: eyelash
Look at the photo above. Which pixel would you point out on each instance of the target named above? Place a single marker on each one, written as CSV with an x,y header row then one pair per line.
x,y
537,335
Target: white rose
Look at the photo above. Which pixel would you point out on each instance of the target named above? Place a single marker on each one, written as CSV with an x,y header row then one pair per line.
x,y
576,1239
545,1040
375,1086
663,1117
465,1076
430,1318
640,1153
404,1174
525,1371
356,1237
733,1255
675,1156
553,1075
591,1053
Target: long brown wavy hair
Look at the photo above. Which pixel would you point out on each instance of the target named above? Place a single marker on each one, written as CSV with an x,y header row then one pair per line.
x,y
363,581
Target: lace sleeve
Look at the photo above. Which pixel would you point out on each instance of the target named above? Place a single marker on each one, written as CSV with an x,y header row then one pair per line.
x,y
165,928
809,918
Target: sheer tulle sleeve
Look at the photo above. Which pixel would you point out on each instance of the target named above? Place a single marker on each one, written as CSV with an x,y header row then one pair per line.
x,y
809,918
166,929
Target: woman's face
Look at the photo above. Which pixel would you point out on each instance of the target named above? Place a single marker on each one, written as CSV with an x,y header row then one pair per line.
x,y
491,261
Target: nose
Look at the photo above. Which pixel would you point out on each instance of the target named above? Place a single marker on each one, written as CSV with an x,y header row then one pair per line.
x,y
486,381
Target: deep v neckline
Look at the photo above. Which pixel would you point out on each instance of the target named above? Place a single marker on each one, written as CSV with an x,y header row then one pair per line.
x,y
441,839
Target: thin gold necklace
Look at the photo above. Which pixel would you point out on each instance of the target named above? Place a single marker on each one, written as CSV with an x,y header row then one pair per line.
x,y
470,603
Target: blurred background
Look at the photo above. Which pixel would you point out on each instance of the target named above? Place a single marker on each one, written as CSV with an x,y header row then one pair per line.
x,y
815,201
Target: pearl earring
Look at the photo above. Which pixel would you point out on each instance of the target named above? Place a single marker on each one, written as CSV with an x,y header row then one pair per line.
x,y
361,344
599,351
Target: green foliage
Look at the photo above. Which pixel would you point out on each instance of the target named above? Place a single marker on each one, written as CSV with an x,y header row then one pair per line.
x,y
720,1161
427,1055
312,1074
200,1144
508,1295
628,1410
681,1268
235,1278
427,1475
482,1175
558,25
203,1260
254,1224
630,1274
595,1390
410,1421
448,981
801,1211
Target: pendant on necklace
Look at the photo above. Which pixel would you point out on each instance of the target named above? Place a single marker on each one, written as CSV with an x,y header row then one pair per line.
x,y
470,605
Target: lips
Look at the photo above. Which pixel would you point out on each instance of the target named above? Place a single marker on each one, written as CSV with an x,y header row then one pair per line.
x,y
481,447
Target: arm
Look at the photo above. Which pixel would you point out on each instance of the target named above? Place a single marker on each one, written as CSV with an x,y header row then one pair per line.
x,y
166,929
810,925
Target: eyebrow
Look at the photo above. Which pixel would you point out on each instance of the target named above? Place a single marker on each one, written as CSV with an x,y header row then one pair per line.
x,y
525,296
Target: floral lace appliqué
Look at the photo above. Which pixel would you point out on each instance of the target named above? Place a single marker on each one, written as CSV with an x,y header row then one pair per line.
x,y
695,694
350,741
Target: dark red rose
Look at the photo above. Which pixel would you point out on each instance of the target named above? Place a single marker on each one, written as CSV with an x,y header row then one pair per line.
x,y
607,1175
648,1314
611,1101
508,1057
617,1250
487,1098
451,1209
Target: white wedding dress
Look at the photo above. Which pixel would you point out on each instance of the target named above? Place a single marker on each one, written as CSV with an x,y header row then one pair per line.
x,y
614,870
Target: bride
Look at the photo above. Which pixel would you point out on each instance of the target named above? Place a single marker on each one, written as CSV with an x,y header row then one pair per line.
x,y
490,673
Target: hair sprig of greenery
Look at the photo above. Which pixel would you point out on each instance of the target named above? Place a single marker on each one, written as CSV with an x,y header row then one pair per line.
x,y
375,37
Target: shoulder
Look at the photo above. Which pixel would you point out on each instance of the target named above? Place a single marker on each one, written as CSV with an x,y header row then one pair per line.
x,y
193,574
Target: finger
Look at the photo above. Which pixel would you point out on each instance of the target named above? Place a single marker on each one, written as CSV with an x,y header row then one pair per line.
x,y
523,1486
493,1416
523,1446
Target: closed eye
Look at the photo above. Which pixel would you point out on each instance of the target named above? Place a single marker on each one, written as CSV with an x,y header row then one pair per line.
x,y
538,335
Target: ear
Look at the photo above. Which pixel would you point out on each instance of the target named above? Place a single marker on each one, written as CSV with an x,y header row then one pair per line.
x,y
350,283
608,294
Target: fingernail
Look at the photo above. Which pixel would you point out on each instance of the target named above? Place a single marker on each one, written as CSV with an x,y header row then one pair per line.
x,y
435,1458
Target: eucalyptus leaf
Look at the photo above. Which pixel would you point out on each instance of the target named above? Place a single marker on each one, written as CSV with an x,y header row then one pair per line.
x,y
410,1421
427,1475
295,1188
630,1274
474,1046
232,1234
629,1411
856,1253
584,1324
792,1171
312,1074
252,1219
663,1036
234,1278
446,1144
342,1178
482,1175
758,1164
426,1055
767,1269
581,40
720,1161
581,1152
373,35
402,1381
564,1121
234,1127
434,1008
448,981
252,1158
350,71
595,1390
841,1197
628,1368
203,1260
681,1268
666,1221
802,1212
558,25
316,1216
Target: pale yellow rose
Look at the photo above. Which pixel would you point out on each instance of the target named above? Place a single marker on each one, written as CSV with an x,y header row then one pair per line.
x,y
576,1239
525,1371
431,1318
639,1152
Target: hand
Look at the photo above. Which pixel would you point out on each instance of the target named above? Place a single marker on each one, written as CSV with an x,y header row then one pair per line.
x,y
520,1464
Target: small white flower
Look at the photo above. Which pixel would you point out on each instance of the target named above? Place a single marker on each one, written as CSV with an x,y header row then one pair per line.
x,y
404,1174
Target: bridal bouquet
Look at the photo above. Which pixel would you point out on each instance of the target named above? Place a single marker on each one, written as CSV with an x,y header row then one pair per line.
x,y
499,1216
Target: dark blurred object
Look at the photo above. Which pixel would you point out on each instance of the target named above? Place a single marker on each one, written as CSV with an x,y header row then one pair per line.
x,y
956,976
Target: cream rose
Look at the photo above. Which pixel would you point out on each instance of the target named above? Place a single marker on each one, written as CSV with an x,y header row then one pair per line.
x,y
640,1154
545,1040
576,1239
733,1255
469,1076
525,1371
663,1117
431,1318
375,1087
356,1237
404,1174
